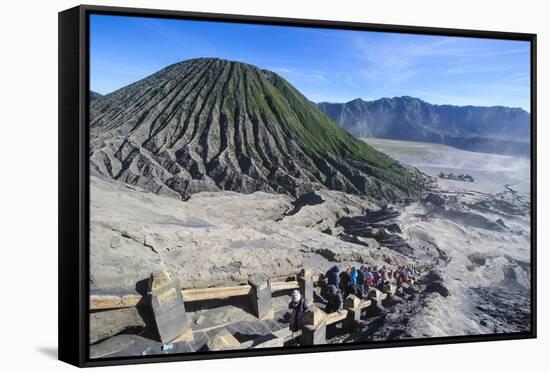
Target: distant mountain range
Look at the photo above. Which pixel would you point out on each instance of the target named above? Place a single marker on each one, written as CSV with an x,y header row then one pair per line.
x,y
210,124
495,129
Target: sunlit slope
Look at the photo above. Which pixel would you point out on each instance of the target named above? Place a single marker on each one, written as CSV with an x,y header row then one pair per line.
x,y
212,124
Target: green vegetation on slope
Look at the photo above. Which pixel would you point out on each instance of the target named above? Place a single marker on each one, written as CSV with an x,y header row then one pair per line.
x,y
208,124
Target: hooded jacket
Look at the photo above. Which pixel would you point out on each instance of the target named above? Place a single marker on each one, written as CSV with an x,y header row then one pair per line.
x,y
332,276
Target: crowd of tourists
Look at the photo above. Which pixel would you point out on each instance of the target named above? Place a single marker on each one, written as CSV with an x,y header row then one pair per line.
x,y
360,281
337,285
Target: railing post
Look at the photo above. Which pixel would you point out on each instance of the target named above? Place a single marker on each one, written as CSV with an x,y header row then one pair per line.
x,y
315,329
376,297
261,296
168,309
223,341
314,334
353,306
389,289
305,285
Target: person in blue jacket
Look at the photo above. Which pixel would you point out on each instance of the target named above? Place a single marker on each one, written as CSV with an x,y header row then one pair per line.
x,y
354,276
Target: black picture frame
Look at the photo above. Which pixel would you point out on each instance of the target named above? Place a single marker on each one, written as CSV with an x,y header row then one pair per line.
x,y
74,182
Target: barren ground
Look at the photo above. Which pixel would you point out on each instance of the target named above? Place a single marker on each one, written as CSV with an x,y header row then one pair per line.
x,y
477,234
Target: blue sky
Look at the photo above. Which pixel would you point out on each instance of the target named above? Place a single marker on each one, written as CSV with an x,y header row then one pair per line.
x,y
325,65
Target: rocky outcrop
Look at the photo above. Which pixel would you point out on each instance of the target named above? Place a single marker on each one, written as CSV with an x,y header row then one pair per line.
x,y
435,199
308,199
435,284
380,225
210,124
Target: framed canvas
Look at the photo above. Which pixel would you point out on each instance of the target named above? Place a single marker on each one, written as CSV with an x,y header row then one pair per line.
x,y
235,186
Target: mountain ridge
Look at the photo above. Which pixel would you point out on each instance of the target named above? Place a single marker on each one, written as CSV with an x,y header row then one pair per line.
x,y
94,95
492,129
210,124
388,98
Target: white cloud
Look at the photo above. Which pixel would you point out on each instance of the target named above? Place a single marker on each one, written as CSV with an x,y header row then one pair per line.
x,y
314,76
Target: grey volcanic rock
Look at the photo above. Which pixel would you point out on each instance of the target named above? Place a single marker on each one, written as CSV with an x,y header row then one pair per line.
x,y
391,300
380,225
108,323
472,219
435,199
435,284
214,239
123,345
322,209
308,199
493,129
211,124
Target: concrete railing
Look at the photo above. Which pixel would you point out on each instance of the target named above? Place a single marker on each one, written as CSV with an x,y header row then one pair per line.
x,y
167,304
